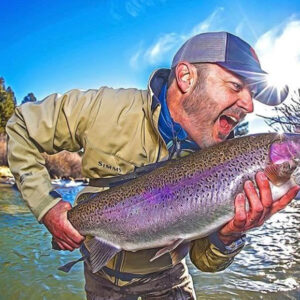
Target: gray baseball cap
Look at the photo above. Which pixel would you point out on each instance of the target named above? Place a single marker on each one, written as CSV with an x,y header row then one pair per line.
x,y
235,55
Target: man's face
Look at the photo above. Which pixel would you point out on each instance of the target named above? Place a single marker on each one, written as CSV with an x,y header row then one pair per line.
x,y
216,106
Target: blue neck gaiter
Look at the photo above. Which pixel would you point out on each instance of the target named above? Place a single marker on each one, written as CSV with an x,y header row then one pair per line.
x,y
175,137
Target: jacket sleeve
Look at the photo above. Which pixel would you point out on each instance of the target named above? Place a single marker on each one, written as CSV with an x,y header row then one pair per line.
x,y
54,124
208,258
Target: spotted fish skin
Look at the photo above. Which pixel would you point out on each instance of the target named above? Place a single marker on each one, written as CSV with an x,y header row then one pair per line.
x,y
186,199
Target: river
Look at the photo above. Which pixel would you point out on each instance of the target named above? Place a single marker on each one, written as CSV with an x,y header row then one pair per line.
x,y
267,268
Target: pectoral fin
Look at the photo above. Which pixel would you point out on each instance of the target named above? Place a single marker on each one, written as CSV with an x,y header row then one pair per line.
x,y
166,249
278,174
100,253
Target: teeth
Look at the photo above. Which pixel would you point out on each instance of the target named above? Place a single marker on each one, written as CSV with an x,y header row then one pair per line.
x,y
233,119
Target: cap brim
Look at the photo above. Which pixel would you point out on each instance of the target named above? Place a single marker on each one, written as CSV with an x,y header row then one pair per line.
x,y
257,79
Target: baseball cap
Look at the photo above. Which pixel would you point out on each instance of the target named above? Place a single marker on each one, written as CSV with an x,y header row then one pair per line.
x,y
235,55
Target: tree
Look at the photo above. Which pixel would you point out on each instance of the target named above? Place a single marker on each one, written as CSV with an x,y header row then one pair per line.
x,y
29,98
1,83
287,116
241,129
7,104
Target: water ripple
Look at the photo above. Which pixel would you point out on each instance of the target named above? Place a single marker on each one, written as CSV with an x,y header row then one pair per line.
x,y
267,268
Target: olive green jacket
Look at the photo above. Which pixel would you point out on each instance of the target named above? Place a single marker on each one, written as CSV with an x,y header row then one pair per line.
x,y
118,130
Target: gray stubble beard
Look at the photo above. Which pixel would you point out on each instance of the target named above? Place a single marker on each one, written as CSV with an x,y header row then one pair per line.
x,y
199,106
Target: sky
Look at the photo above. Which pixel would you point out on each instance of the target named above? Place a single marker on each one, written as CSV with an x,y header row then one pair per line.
x,y
54,46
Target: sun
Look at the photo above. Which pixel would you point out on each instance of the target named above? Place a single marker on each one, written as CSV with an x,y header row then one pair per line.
x,y
279,54
277,81
279,76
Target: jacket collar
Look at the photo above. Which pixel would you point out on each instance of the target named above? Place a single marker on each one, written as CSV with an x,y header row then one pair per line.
x,y
174,135
157,79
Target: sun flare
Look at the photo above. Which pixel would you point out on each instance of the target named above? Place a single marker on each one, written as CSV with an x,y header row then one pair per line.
x,y
279,53
279,76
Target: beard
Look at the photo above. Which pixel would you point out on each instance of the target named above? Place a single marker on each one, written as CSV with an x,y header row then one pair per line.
x,y
201,110
204,112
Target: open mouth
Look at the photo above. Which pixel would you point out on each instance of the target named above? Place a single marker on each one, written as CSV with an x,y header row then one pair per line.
x,y
227,124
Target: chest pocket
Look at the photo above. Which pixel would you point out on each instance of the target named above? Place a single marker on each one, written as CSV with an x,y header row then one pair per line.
x,y
96,163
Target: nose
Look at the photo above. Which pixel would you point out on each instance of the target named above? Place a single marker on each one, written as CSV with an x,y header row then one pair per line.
x,y
245,100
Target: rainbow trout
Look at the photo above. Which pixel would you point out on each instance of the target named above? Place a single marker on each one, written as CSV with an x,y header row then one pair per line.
x,y
185,199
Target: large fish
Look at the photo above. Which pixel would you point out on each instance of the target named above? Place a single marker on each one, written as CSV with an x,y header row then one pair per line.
x,y
185,199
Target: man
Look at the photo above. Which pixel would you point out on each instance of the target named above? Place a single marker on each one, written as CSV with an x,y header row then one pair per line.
x,y
197,104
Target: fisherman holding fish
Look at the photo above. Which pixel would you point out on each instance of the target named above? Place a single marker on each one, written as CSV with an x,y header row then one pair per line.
x,y
209,89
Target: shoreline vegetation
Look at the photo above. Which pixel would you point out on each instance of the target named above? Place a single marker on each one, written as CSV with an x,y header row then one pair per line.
x,y
61,166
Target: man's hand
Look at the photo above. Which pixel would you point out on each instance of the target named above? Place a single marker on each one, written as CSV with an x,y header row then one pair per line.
x,y
261,208
66,236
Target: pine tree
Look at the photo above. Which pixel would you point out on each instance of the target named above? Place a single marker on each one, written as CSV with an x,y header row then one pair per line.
x,y
29,98
1,83
7,104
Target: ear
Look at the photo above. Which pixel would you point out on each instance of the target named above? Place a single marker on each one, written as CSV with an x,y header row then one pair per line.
x,y
186,76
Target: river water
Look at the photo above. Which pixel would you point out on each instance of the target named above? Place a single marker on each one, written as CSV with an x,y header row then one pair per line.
x,y
267,268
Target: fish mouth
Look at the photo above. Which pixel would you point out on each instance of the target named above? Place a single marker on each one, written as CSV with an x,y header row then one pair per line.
x,y
227,122
285,148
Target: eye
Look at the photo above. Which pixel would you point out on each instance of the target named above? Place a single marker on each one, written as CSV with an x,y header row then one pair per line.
x,y
236,86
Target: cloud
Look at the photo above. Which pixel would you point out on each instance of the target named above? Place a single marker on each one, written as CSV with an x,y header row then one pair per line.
x,y
165,43
209,24
135,7
165,46
133,62
239,29
279,52
132,7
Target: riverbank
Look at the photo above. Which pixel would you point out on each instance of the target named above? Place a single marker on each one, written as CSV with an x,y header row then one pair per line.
x,y
7,180
6,177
